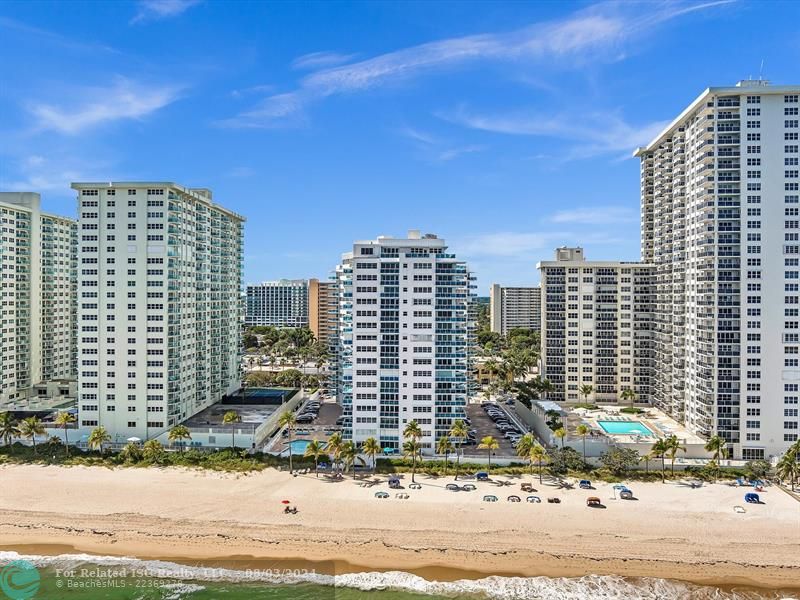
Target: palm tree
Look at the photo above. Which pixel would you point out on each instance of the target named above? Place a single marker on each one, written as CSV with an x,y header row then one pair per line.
x,y
334,445
30,428
349,454
371,447
288,420
98,438
8,428
412,448
489,444
524,446
316,450
152,451
459,432
560,433
586,390
413,432
178,434
628,394
787,467
545,387
131,452
64,419
717,445
538,454
659,450
673,447
231,418
444,446
582,430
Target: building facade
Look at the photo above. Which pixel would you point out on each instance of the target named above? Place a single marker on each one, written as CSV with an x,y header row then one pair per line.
x,y
596,327
38,258
159,287
323,310
721,223
282,303
514,308
403,338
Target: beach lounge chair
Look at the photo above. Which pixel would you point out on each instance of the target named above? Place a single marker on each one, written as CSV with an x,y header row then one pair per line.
x,y
526,487
482,476
415,486
513,499
593,501
752,498
453,487
739,509
381,495
585,484
468,487
626,494
533,499
554,500
490,498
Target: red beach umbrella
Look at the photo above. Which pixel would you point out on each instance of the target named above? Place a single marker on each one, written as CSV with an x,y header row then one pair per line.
x,y
285,502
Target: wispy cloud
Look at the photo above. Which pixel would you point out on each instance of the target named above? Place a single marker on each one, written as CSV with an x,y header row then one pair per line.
x,y
124,99
436,149
321,60
509,243
53,174
155,10
589,35
53,38
598,132
596,215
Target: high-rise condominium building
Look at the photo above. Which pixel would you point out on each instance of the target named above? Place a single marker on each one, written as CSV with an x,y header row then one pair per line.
x,y
721,222
282,303
596,327
323,310
514,308
38,261
159,289
403,338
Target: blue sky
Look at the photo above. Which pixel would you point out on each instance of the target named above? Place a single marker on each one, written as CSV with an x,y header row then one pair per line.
x,y
504,127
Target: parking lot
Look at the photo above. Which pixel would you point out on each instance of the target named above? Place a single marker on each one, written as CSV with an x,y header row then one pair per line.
x,y
485,426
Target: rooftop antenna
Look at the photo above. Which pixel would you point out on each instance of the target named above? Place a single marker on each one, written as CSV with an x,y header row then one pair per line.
x,y
761,69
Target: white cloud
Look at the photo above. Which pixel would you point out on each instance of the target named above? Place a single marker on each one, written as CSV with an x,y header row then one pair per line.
x,y
321,60
598,132
154,10
53,173
452,153
598,215
124,99
588,35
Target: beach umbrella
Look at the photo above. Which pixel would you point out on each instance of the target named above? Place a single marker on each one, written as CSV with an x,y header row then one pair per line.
x,y
285,502
135,440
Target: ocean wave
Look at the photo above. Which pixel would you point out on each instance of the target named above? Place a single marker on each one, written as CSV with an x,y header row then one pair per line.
x,y
597,587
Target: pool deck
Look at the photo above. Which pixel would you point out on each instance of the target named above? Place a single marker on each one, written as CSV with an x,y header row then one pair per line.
x,y
658,422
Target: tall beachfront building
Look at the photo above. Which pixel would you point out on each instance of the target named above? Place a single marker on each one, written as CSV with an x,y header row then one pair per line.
x,y
721,223
38,257
159,286
403,338
514,308
281,303
323,310
596,327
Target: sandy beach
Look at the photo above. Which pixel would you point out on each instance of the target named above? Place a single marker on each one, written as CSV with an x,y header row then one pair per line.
x,y
669,531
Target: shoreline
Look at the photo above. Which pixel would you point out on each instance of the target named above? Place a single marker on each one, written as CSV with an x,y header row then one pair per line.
x,y
236,522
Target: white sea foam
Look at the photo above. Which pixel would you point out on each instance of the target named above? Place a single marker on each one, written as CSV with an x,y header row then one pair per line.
x,y
597,587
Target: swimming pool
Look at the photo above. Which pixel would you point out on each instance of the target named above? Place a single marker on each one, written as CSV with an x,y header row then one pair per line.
x,y
624,427
299,446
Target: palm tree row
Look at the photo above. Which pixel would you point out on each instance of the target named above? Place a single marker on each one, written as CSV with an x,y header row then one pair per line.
x,y
788,468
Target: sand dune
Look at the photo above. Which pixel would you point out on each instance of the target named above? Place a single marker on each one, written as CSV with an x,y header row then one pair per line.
x,y
669,531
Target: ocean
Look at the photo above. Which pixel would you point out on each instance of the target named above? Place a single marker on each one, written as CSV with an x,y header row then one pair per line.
x,y
90,577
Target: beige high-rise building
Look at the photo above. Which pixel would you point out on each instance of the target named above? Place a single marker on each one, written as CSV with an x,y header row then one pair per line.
x,y
323,310
596,327
514,308
38,260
